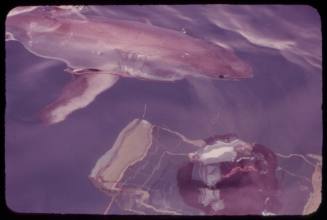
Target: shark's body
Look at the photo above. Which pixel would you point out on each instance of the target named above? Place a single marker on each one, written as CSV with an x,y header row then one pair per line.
x,y
102,51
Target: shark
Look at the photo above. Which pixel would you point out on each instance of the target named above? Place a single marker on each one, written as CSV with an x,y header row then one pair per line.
x,y
99,51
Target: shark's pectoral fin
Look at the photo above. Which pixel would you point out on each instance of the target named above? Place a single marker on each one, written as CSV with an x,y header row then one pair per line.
x,y
77,94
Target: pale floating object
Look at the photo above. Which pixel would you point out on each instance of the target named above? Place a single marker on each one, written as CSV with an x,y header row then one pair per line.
x,y
114,48
314,200
131,146
131,149
216,152
229,176
220,151
211,197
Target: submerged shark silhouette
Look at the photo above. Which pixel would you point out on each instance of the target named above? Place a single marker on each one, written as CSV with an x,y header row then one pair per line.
x,y
100,51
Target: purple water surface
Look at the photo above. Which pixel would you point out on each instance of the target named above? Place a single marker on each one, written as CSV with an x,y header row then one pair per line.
x,y
280,107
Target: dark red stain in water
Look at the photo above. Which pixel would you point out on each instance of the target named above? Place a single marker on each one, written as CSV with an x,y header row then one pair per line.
x,y
248,186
